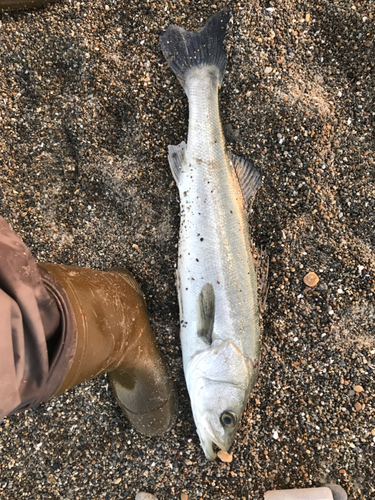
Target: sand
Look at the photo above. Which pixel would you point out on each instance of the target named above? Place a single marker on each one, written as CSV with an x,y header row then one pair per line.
x,y
88,107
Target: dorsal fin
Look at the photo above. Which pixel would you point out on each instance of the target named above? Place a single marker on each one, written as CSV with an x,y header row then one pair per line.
x,y
248,176
176,157
206,312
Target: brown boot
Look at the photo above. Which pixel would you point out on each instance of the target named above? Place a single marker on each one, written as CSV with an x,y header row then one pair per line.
x,y
114,336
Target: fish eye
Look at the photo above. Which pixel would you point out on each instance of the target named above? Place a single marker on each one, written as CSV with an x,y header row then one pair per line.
x,y
228,419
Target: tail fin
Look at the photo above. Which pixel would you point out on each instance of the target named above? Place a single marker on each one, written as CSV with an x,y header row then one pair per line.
x,y
184,49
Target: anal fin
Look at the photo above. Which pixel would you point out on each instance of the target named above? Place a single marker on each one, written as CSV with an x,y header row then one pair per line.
x,y
248,176
176,158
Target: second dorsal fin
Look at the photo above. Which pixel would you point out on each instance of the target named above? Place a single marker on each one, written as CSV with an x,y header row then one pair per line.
x,y
248,176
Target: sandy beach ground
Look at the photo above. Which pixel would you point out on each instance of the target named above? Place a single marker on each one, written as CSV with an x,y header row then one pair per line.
x,y
88,107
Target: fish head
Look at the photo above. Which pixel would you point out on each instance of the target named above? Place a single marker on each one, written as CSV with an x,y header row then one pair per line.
x,y
219,381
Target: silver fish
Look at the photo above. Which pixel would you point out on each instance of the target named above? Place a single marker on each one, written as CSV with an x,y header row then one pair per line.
x,y
217,285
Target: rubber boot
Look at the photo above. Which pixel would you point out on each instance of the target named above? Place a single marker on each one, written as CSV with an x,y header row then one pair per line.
x,y
114,335
22,4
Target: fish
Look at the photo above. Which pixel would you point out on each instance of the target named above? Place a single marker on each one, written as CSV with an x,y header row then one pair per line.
x,y
216,278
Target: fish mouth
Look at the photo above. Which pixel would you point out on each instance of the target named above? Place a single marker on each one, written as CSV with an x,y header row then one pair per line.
x,y
210,449
210,442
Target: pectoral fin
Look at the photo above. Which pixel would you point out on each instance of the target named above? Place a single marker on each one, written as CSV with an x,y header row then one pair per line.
x,y
176,157
248,176
206,312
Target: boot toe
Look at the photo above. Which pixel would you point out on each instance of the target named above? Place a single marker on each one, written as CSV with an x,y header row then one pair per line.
x,y
150,407
155,422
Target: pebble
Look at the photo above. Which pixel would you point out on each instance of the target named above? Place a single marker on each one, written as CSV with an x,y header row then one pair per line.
x,y
184,496
358,406
358,388
311,279
225,456
145,496
268,70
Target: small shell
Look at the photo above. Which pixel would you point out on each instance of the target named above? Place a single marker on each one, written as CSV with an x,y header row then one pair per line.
x,y
311,279
225,456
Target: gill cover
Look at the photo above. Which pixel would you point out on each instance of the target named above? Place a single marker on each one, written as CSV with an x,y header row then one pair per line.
x,y
222,361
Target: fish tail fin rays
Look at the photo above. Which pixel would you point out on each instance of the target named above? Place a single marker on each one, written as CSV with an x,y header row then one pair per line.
x,y
248,176
185,50
206,313
176,158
